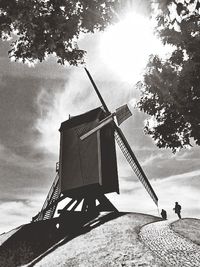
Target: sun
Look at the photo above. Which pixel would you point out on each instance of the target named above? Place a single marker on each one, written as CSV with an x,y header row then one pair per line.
x,y
125,47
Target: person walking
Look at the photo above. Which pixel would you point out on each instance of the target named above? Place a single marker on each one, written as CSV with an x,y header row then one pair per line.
x,y
164,214
177,209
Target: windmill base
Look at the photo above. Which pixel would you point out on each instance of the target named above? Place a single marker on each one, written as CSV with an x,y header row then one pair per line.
x,y
89,204
90,209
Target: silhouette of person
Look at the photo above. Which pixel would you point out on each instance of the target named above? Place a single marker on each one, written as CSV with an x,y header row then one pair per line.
x,y
177,209
164,214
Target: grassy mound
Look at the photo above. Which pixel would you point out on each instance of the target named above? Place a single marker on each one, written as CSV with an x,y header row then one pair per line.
x,y
114,243
189,228
109,240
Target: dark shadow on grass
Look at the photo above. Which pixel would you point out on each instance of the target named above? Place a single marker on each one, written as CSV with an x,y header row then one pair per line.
x,y
34,241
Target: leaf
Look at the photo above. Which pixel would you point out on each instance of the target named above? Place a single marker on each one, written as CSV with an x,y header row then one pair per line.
x,y
52,26
179,8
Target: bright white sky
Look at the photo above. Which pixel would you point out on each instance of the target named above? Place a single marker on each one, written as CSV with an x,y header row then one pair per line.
x,y
34,101
126,46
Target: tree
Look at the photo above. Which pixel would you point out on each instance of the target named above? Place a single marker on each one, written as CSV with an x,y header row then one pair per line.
x,y
43,27
171,88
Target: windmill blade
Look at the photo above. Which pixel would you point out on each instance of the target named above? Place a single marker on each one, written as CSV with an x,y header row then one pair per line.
x,y
132,160
122,113
97,92
101,124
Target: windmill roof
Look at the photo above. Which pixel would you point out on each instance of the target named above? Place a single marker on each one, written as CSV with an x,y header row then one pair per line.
x,y
82,118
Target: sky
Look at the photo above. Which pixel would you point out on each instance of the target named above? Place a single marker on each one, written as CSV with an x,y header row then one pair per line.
x,y
35,100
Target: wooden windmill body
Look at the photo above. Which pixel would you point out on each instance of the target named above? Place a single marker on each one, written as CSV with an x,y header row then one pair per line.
x,y
87,164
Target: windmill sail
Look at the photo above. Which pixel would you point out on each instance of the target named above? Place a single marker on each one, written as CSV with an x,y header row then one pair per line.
x,y
125,147
132,160
100,125
122,113
97,92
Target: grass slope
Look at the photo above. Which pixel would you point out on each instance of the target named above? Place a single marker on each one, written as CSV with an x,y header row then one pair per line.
x,y
189,228
110,240
115,243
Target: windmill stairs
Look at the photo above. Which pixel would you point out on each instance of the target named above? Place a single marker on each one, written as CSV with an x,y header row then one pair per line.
x,y
49,206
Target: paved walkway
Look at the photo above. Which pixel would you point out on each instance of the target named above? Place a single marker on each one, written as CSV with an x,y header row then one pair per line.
x,y
170,247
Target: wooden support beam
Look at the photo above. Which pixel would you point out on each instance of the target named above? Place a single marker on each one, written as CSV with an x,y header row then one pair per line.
x,y
102,123
76,205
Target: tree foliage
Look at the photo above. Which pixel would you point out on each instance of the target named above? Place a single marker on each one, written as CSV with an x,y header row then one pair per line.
x,y
43,27
171,88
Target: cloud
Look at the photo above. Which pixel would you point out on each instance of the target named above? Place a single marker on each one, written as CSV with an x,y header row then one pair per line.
x,y
153,157
15,213
55,106
183,188
46,70
9,157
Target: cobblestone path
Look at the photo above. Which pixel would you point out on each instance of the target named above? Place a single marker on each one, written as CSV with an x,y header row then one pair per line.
x,y
170,247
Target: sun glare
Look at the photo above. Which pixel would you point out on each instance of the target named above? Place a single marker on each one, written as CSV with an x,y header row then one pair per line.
x,y
125,47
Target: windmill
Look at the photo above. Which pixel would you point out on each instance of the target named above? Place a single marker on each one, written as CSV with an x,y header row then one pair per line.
x,y
87,168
